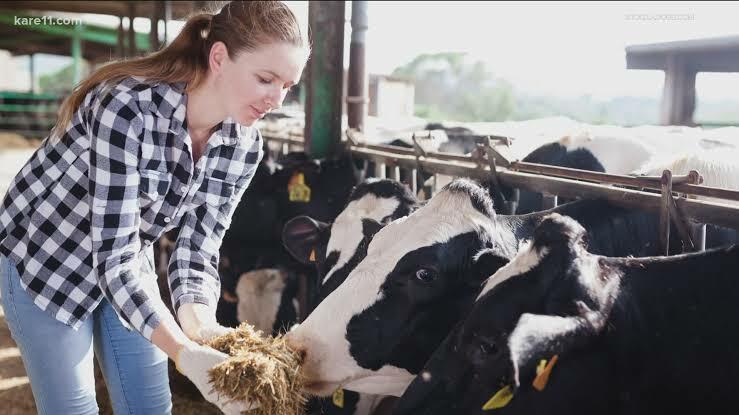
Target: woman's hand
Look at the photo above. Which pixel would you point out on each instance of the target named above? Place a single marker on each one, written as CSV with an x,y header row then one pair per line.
x,y
199,323
194,361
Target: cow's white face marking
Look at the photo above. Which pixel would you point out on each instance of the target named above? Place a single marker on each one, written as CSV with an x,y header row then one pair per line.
x,y
346,231
323,333
526,259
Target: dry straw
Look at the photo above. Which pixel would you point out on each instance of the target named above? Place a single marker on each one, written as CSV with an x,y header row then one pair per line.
x,y
261,370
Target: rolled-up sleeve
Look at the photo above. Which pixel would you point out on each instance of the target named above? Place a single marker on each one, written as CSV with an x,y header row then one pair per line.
x,y
193,267
115,126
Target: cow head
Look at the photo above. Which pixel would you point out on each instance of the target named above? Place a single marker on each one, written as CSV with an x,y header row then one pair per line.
x,y
549,301
421,271
338,247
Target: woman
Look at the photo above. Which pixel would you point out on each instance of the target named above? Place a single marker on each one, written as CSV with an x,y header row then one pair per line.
x,y
140,147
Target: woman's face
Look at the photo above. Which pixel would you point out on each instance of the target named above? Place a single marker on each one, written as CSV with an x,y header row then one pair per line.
x,y
255,83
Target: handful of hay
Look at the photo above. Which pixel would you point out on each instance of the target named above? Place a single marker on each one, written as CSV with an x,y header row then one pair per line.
x,y
260,370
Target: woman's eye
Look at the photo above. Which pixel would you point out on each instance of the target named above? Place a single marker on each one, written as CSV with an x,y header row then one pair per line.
x,y
264,81
426,275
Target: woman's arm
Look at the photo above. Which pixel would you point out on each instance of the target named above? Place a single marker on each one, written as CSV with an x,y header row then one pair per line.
x,y
193,278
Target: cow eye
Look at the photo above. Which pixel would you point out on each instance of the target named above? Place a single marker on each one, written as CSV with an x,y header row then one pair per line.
x,y
426,275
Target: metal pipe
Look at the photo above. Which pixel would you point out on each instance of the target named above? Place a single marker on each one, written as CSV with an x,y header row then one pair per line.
x,y
357,89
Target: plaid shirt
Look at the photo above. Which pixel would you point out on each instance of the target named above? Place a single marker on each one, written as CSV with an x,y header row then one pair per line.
x,y
80,217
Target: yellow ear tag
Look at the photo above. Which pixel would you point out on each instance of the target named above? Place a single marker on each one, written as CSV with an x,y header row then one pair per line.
x,y
312,257
499,400
297,189
542,373
339,398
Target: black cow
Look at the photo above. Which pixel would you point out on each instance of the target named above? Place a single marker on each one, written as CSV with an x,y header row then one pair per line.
x,y
616,335
420,276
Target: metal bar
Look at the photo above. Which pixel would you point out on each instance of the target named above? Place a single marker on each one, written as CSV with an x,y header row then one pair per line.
x,y
77,55
700,211
698,231
396,173
664,213
131,31
696,210
548,201
414,181
167,17
678,219
357,88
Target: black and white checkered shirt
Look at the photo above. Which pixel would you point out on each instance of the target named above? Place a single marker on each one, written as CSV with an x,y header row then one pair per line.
x,y
80,217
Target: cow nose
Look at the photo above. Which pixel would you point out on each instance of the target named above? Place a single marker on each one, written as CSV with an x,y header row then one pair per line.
x,y
297,346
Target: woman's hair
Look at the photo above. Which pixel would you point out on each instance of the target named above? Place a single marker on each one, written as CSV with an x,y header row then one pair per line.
x,y
240,25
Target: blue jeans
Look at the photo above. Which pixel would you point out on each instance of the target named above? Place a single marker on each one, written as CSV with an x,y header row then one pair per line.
x,y
59,360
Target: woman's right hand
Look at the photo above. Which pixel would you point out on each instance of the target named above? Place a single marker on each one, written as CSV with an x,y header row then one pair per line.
x,y
194,361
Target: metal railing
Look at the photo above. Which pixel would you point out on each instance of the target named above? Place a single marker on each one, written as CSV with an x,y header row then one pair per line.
x,y
672,197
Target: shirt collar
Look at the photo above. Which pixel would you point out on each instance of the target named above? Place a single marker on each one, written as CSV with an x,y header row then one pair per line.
x,y
229,131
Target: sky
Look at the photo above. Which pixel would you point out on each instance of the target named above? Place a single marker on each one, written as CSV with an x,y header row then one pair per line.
x,y
563,49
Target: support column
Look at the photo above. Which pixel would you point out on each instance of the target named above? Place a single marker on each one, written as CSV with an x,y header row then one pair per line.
x,y
323,130
357,89
77,54
167,18
32,71
131,32
678,95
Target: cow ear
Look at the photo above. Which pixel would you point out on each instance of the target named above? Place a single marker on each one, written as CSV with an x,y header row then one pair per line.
x,y
487,262
300,237
538,338
370,227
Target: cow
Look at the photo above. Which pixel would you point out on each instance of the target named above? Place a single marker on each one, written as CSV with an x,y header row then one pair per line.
x,y
335,249
421,274
563,331
613,155
291,186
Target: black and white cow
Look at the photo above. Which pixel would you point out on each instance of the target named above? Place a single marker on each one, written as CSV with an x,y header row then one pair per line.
x,y
616,335
605,154
421,274
336,248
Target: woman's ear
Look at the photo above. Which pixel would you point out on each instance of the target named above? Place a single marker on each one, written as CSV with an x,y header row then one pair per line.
x,y
217,57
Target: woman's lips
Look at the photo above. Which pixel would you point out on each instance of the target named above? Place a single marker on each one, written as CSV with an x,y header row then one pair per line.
x,y
257,112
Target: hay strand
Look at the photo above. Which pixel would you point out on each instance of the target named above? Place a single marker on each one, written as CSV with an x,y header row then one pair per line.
x,y
261,370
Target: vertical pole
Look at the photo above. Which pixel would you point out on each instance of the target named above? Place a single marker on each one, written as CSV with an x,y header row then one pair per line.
x,y
325,74
548,201
121,39
77,54
167,18
699,236
131,31
664,217
32,72
357,88
154,27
